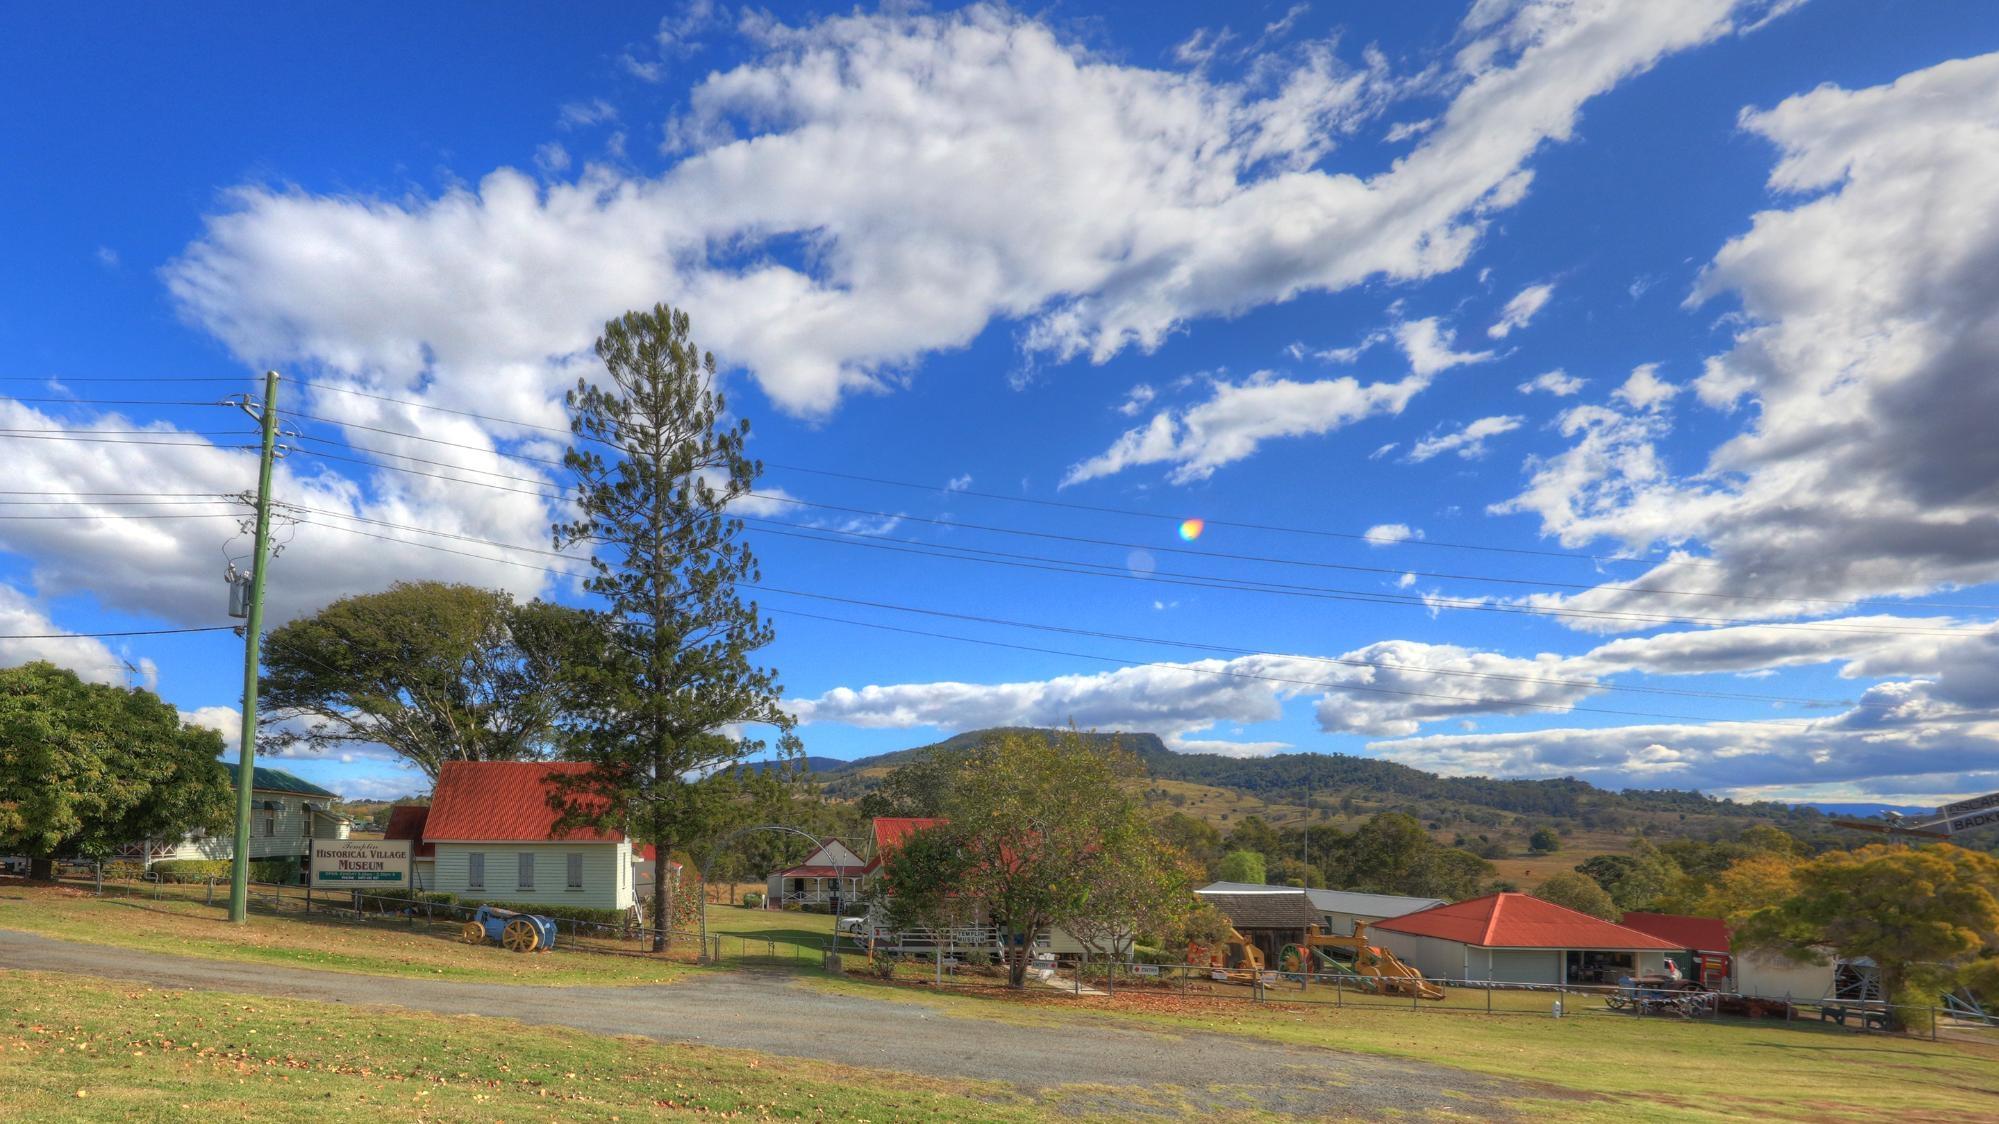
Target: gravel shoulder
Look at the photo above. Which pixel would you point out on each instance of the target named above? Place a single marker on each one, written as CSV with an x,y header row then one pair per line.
x,y
1089,1067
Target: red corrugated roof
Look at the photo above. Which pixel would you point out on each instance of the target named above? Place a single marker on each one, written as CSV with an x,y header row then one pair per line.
x,y
1508,920
406,821
890,831
1695,934
500,801
819,872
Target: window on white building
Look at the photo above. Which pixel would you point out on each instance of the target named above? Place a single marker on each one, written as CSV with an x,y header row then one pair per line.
x,y
475,871
575,871
271,809
527,870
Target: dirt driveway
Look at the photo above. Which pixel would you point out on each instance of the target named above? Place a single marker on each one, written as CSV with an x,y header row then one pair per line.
x,y
1088,1066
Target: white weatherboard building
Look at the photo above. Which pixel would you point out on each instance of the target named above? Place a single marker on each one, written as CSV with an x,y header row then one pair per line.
x,y
286,814
832,872
493,838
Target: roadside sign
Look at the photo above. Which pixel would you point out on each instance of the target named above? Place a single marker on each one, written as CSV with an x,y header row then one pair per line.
x,y
361,864
1987,802
1145,969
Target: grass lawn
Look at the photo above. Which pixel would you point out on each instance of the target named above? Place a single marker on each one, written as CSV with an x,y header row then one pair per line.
x,y
1647,1069
75,1048
383,948
758,938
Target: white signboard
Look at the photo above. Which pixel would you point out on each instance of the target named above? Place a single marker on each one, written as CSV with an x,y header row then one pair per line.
x,y
361,864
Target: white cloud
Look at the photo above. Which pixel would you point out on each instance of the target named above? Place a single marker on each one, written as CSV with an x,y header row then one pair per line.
x,y
1387,534
1239,417
1521,310
1428,345
1102,205
89,658
1645,390
551,158
1558,383
1137,399
1468,442
958,483
1868,331
167,562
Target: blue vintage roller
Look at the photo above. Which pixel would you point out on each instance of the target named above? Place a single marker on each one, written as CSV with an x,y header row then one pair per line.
x,y
516,932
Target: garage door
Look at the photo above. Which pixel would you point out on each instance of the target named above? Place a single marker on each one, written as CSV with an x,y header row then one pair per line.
x,y
1515,966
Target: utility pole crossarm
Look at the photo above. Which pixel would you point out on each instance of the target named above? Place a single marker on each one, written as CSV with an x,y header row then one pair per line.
x,y
253,626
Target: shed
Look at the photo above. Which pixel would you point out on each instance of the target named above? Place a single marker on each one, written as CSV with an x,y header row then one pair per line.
x,y
1518,938
1269,916
1339,909
1703,943
494,835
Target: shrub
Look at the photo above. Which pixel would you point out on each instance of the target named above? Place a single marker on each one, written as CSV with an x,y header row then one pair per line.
x,y
753,900
187,870
1146,954
275,870
121,869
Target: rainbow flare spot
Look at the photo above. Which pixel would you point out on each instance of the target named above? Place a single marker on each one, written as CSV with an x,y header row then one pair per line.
x,y
1190,529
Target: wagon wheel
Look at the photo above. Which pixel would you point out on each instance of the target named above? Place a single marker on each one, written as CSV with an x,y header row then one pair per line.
x,y
472,933
520,935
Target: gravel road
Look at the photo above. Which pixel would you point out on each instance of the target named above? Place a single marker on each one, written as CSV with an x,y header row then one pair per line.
x,y
1111,1068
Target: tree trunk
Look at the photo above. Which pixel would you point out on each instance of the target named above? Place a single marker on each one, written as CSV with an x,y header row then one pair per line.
x,y
662,906
42,869
1017,952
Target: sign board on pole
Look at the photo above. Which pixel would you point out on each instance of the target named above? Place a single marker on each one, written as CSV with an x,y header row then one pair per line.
x,y
361,864
1975,804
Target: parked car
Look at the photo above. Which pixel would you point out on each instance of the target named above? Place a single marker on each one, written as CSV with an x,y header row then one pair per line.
x,y
858,926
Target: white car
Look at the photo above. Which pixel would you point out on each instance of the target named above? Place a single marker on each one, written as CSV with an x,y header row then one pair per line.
x,y
858,926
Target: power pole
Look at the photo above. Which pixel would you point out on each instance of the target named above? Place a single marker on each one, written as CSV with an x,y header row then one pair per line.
x,y
246,758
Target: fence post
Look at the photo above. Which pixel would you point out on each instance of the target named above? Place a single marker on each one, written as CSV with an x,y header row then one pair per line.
x,y
99,867
1488,996
211,891
1933,1023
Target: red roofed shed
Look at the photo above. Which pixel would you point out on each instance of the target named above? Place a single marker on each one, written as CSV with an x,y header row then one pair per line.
x,y
1518,938
1693,934
492,828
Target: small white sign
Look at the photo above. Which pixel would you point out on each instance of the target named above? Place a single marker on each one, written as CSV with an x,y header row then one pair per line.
x,y
361,864
1145,969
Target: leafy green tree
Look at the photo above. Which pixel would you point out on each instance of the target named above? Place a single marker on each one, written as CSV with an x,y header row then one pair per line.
x,y
1295,872
1638,880
1544,841
1242,866
87,768
1450,873
435,671
1144,886
1040,827
656,705
1928,916
1579,892
1386,854
1254,833
919,788
1197,838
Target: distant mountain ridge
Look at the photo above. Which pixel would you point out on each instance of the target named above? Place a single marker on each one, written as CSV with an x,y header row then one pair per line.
x,y
1300,777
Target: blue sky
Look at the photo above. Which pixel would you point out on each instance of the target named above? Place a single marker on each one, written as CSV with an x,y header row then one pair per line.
x,y
1651,342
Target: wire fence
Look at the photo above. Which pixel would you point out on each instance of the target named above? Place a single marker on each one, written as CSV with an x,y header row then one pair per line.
x,y
977,963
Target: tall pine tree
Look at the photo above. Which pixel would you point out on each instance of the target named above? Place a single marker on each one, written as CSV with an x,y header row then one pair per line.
x,y
656,710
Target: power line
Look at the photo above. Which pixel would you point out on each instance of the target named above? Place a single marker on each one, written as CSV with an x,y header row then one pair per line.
x,y
1592,685
126,379
110,401
83,437
1092,508
104,635
1205,581
1238,556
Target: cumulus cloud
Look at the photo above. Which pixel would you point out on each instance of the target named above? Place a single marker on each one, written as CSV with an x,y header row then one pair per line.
x,y
1237,418
1521,310
89,658
1386,534
1100,205
1861,367
167,561
1645,390
1467,442
1558,383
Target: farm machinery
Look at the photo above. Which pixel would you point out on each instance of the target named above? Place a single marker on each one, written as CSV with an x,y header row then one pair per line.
x,y
1234,957
515,932
1351,957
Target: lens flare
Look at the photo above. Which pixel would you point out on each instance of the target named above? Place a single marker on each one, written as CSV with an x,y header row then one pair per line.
x,y
1190,529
